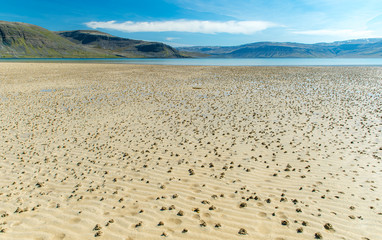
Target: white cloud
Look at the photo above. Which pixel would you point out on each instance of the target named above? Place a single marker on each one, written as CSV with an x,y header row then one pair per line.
x,y
171,38
343,33
194,26
174,44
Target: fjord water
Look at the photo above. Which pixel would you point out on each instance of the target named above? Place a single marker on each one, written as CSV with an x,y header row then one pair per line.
x,y
219,61
262,61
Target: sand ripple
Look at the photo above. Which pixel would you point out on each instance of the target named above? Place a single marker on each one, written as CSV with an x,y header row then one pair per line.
x,y
152,152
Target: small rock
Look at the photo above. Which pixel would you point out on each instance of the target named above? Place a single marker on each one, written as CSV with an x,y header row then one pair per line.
x,y
284,222
328,226
203,224
317,235
97,227
163,208
242,231
243,205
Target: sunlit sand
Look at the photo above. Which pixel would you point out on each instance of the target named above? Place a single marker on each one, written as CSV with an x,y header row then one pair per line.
x,y
105,151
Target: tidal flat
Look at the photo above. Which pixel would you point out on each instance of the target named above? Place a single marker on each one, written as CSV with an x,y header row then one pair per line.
x,y
112,151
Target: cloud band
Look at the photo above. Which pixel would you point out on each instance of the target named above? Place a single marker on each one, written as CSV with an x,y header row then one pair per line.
x,y
193,26
347,33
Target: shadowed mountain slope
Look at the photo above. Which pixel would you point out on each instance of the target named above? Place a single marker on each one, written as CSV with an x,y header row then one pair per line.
x,y
122,47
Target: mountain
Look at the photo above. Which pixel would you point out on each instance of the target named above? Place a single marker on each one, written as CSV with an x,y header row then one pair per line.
x,y
22,40
345,49
31,41
122,47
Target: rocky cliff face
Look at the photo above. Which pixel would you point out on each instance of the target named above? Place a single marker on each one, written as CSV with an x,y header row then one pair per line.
x,y
123,47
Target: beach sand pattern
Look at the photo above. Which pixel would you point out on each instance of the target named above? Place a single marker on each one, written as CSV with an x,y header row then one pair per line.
x,y
105,151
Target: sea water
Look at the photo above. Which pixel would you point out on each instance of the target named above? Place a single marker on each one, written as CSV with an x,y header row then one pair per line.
x,y
217,61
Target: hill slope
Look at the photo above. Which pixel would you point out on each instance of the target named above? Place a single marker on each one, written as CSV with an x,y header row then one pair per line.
x,y
121,47
22,40
27,40
352,48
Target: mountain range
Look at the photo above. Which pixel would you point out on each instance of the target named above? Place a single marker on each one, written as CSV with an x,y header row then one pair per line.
x,y
366,48
23,40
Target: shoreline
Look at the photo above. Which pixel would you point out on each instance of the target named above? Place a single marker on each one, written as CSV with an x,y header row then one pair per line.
x,y
282,62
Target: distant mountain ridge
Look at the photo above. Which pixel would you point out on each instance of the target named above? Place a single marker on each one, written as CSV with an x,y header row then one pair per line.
x,y
23,40
121,47
367,48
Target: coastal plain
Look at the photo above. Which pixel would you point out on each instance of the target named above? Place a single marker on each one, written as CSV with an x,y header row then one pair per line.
x,y
119,151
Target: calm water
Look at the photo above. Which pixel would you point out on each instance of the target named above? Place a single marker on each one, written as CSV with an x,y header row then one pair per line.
x,y
224,61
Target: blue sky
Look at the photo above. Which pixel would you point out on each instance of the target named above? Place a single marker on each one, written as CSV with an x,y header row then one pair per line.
x,y
207,22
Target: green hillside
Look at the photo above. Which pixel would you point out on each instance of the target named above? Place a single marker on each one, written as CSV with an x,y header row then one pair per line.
x,y
22,40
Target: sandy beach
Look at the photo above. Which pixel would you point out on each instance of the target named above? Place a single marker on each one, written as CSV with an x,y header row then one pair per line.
x,y
114,151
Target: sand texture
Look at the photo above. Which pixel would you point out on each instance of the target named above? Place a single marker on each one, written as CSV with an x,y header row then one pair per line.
x,y
104,151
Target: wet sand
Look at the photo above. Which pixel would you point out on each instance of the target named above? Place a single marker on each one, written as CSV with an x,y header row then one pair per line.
x,y
103,151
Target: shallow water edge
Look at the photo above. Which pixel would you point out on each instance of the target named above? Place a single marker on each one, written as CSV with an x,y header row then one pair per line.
x,y
216,61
